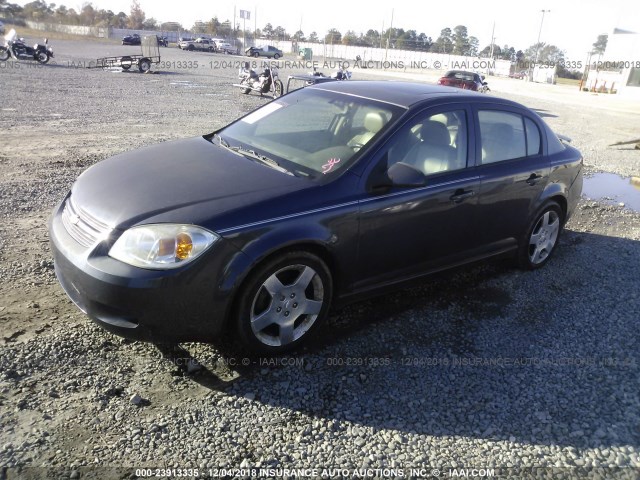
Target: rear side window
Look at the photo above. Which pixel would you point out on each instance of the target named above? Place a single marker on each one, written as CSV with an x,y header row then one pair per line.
x,y
533,137
507,136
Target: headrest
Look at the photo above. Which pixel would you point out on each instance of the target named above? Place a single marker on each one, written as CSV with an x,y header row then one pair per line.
x,y
435,133
374,121
502,130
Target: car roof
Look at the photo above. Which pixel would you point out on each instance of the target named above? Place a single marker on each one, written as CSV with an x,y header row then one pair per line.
x,y
404,94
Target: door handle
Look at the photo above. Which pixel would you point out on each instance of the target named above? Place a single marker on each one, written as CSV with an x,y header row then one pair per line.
x,y
460,195
533,179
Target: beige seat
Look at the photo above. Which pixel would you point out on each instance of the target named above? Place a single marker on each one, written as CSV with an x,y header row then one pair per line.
x,y
434,153
373,123
501,143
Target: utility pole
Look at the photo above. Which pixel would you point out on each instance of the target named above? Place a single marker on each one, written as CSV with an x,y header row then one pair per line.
x,y
492,40
389,36
538,42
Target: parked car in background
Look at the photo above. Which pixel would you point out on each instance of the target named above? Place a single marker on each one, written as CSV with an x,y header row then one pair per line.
x,y
224,47
518,75
131,39
462,79
201,44
319,197
268,51
162,41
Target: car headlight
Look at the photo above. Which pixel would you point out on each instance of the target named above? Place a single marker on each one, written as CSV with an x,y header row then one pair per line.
x,y
162,246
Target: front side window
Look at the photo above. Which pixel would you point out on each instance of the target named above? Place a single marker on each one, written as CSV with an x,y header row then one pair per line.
x,y
432,143
315,132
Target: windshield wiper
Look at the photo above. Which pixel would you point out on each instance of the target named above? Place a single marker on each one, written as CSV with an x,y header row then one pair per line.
x,y
221,140
253,155
261,158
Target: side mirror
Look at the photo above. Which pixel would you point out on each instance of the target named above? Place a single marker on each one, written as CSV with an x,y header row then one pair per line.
x,y
404,175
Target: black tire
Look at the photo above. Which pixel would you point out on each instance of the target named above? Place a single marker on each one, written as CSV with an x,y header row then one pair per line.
x,y
276,56
542,237
5,54
190,48
144,65
42,57
256,54
278,88
125,63
300,282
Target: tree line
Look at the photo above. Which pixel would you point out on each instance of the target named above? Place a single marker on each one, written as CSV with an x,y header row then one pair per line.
x,y
41,11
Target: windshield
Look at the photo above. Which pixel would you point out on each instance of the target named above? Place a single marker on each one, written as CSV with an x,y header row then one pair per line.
x,y
315,132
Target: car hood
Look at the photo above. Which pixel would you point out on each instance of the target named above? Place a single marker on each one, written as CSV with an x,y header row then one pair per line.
x,y
186,181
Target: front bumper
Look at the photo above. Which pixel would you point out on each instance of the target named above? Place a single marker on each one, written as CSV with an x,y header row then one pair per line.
x,y
184,304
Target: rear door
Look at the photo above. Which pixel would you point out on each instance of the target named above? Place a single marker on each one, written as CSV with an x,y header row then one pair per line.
x,y
513,171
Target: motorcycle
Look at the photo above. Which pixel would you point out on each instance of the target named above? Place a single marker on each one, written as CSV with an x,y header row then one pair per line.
x,y
485,86
17,49
266,82
340,74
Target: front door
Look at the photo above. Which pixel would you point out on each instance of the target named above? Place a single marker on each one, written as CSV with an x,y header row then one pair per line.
x,y
406,231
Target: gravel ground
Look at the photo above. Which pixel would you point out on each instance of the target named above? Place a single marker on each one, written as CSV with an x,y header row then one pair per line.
x,y
483,367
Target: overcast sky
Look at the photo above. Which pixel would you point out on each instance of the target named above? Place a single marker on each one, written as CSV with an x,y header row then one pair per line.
x,y
572,25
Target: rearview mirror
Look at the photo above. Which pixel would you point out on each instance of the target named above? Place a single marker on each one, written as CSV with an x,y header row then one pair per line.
x,y
404,175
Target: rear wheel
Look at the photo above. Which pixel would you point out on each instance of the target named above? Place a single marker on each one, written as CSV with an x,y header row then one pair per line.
x,y
42,57
541,238
283,303
276,56
144,65
4,54
256,54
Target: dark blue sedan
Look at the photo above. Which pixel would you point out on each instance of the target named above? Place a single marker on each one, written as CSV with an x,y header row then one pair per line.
x,y
325,194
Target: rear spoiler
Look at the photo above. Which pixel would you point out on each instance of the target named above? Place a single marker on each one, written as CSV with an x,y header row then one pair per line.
x,y
563,138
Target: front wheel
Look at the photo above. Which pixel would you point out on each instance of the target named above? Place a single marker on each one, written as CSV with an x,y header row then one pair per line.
x,y
276,56
283,303
541,238
278,88
42,57
125,63
4,54
256,54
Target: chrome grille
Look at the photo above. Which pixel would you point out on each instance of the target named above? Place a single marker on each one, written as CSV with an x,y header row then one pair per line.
x,y
83,228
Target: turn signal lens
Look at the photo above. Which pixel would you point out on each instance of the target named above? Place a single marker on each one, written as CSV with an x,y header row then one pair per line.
x,y
184,247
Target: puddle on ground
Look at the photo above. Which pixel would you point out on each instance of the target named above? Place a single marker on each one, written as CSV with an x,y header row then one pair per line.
x,y
613,189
